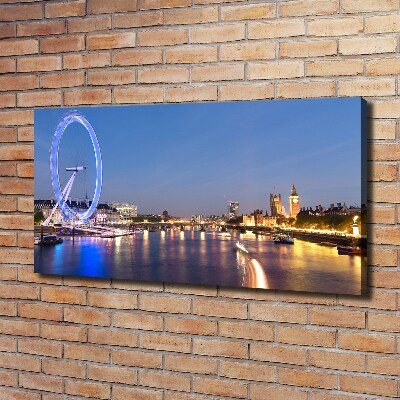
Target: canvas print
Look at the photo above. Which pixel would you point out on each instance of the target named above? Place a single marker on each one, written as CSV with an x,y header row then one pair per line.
x,y
255,194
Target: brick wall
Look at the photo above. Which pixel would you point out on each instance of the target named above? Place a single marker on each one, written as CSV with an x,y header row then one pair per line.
x,y
69,338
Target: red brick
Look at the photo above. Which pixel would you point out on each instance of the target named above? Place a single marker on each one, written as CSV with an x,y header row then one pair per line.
x,y
112,374
243,12
307,337
86,353
25,134
63,295
88,60
38,382
8,135
42,28
7,31
7,100
7,65
123,393
8,204
340,318
62,79
191,16
137,57
87,389
19,362
261,392
8,344
8,239
196,365
21,12
8,273
16,117
112,300
8,309
164,380
19,328
247,371
140,94
368,385
266,312
163,75
8,378
384,365
41,63
276,29
189,55
87,96
105,6
384,322
246,92
39,99
190,326
221,72
218,308
87,317
39,347
220,387
14,394
70,9
308,7
64,368
314,379
111,40
215,34
165,342
89,24
8,168
163,37
164,304
278,354
16,82
113,337
63,332
351,6
138,321
40,311
21,256
62,44
223,348
198,93
366,342
335,360
137,358
138,20
17,187
155,4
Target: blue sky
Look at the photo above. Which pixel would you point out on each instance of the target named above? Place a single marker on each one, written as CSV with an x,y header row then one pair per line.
x,y
194,158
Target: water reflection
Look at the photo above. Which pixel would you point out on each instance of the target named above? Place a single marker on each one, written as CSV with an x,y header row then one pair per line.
x,y
208,259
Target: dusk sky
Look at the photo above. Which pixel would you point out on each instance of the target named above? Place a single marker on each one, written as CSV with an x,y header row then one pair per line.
x,y
194,158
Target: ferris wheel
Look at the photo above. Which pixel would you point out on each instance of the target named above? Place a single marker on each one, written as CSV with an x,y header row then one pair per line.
x,y
61,195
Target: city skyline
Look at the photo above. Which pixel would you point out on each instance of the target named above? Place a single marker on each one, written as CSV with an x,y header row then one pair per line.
x,y
194,158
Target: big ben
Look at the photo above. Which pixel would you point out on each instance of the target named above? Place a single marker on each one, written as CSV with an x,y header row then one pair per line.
x,y
294,201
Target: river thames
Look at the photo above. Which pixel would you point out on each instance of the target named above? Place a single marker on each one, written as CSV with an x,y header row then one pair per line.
x,y
205,258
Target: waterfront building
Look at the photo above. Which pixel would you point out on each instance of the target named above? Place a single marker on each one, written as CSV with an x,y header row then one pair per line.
x,y
258,219
165,216
233,209
294,203
275,202
125,210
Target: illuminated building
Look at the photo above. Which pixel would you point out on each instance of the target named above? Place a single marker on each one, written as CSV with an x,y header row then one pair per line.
x,y
275,202
294,201
125,210
233,210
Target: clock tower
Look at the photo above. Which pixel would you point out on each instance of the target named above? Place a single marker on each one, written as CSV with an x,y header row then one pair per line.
x,y
294,201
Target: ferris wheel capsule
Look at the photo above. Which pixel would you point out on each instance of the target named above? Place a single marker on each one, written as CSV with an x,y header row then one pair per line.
x,y
66,211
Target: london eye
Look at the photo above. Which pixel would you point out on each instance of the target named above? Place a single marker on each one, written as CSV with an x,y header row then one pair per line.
x,y
66,212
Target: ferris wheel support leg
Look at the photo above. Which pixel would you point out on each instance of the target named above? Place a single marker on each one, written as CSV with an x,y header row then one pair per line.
x,y
64,196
